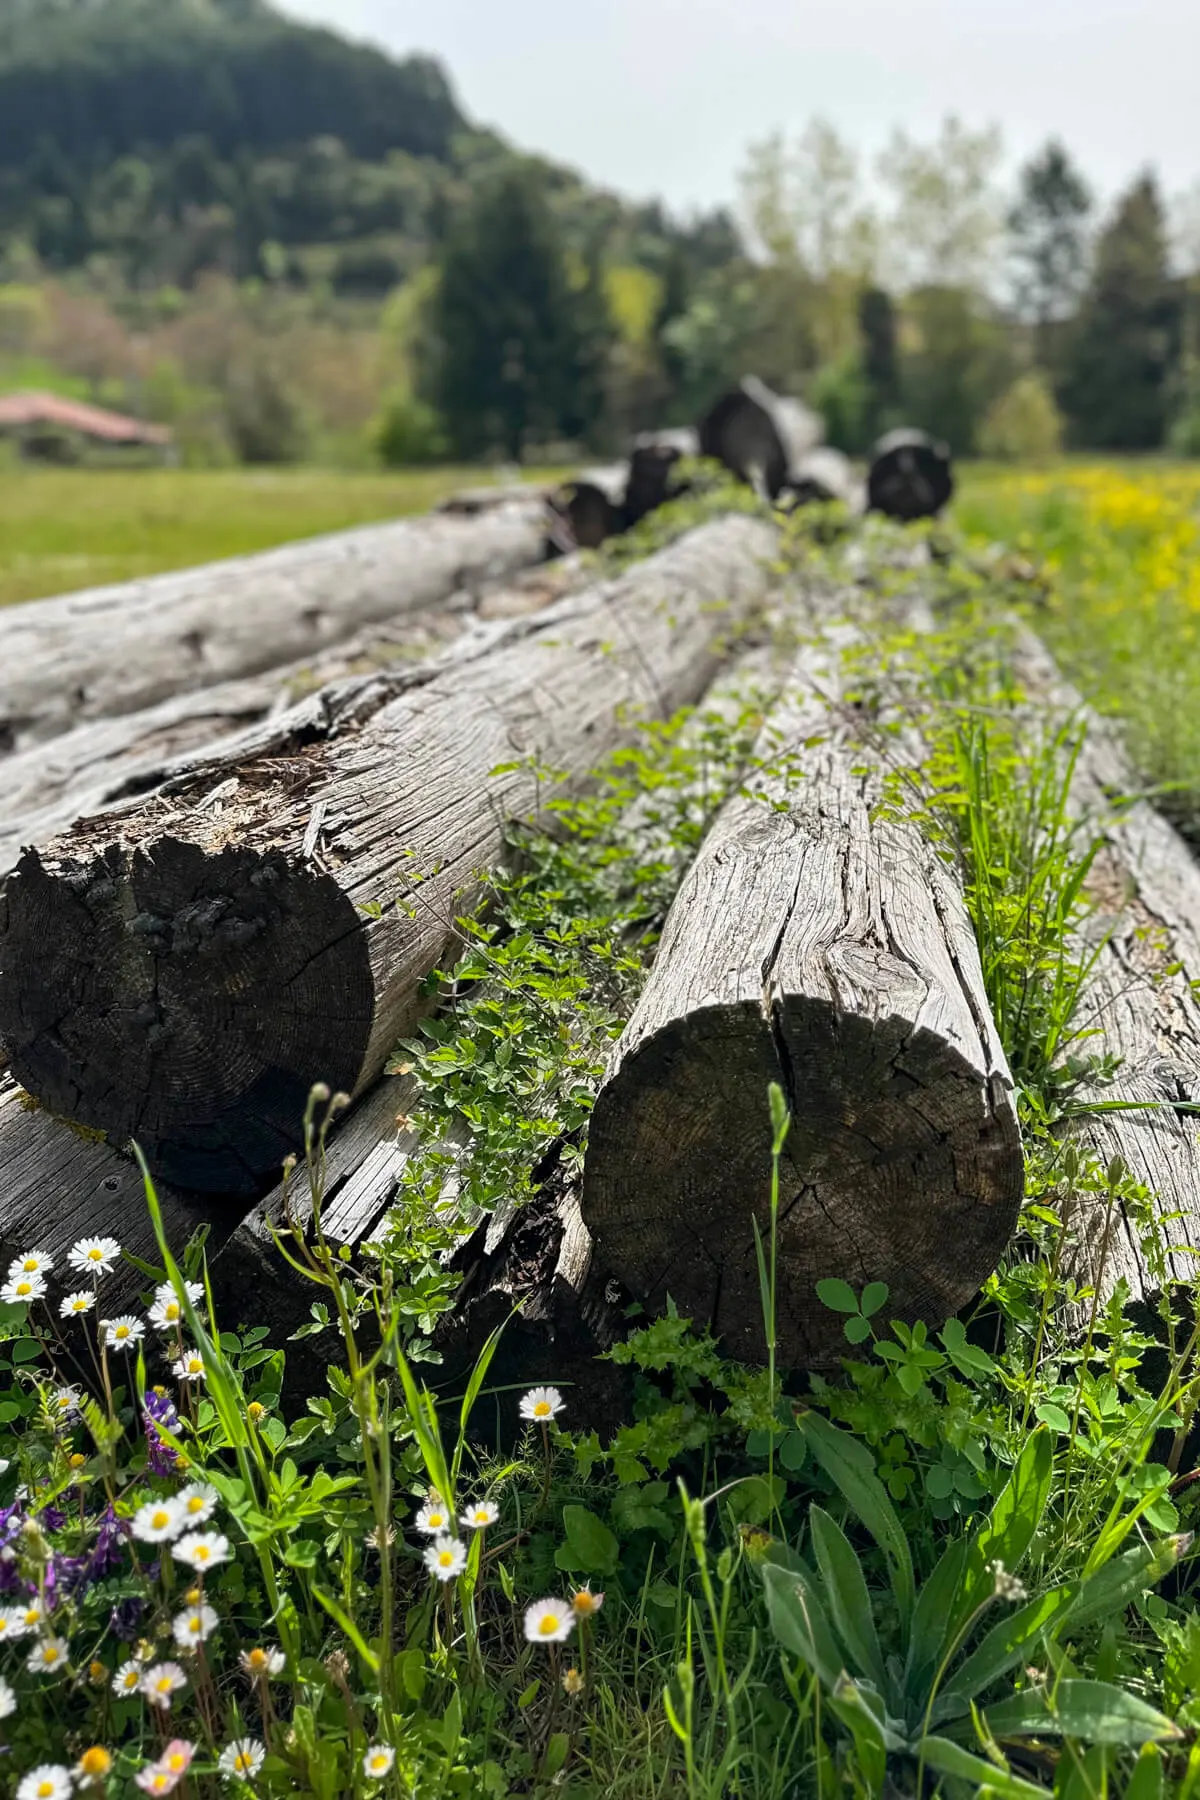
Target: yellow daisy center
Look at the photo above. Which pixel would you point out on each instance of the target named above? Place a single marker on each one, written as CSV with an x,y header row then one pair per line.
x,y
24,1287
201,1553
33,1615
241,1761
160,1519
95,1761
175,1761
379,1764
541,1409
446,1558
164,1684
30,1264
129,1680
95,1255
549,1624
195,1503
45,1788
50,1654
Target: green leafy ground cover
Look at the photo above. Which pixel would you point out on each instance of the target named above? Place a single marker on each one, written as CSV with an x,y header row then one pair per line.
x,y
963,1566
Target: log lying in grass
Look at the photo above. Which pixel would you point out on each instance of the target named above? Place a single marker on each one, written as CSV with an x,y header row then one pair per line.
x,y
183,970
759,435
1142,1009
49,785
823,475
910,476
818,947
117,649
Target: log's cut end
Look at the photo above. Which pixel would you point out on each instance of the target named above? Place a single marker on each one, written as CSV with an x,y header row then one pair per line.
x,y
183,996
902,1164
827,950
911,476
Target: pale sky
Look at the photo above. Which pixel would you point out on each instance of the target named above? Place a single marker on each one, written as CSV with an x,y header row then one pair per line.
x,y
661,97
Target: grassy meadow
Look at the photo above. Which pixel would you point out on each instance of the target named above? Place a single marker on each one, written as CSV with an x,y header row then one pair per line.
x,y
66,529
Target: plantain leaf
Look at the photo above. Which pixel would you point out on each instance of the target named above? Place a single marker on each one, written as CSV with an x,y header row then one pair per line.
x,y
848,1599
1093,1711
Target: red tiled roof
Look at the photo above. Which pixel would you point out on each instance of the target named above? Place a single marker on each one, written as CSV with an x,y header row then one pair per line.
x,y
76,415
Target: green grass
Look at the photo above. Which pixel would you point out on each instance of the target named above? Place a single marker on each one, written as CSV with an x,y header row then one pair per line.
x,y
66,529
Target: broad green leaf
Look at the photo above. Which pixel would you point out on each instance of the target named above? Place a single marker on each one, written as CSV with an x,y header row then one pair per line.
x,y
951,1759
847,1597
856,1329
874,1295
932,1618
1146,1782
590,1547
799,1623
872,1740
1009,1530
850,1467
1111,1589
837,1295
1093,1711
1005,1645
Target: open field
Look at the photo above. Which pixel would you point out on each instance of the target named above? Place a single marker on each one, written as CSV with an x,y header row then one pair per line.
x,y
1116,548
67,529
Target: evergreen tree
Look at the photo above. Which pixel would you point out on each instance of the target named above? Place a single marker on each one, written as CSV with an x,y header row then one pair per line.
x,y
880,360
1116,388
521,349
1048,232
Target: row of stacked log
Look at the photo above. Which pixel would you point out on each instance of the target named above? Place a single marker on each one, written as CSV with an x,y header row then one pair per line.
x,y
181,967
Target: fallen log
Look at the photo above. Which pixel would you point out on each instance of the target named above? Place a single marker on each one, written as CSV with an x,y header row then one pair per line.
x,y
910,476
94,767
652,479
117,649
182,971
823,475
759,436
819,947
1141,1008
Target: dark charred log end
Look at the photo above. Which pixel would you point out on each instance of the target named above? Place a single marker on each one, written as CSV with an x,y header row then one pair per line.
x,y
899,1167
910,478
592,514
166,993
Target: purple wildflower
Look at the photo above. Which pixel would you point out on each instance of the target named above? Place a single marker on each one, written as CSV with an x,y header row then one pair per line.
x,y
51,1519
125,1619
159,1415
106,1552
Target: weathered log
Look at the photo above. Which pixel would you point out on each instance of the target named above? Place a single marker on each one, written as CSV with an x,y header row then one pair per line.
x,y
117,649
910,476
822,475
760,436
1141,1008
829,951
182,971
652,471
49,785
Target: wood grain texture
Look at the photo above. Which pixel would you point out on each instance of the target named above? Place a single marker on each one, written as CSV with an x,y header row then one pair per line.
x,y
118,649
183,970
829,951
50,784
1139,1004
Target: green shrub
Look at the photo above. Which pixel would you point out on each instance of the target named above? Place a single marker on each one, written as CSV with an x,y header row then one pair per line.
x,y
1024,423
408,433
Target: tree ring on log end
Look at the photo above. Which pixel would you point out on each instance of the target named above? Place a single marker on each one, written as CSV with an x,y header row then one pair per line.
x,y
183,998
903,1164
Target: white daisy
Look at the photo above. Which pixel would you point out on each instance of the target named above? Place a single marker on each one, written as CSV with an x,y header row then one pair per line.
x,y
549,1622
8,1700
197,1501
161,1681
158,1521
22,1290
482,1514
49,1781
241,1759
31,1614
189,1367
434,1517
541,1404
94,1256
48,1656
202,1549
12,1624
128,1678
64,1404
72,1306
123,1332
166,1312
378,1761
34,1262
195,1625
446,1557
263,1663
